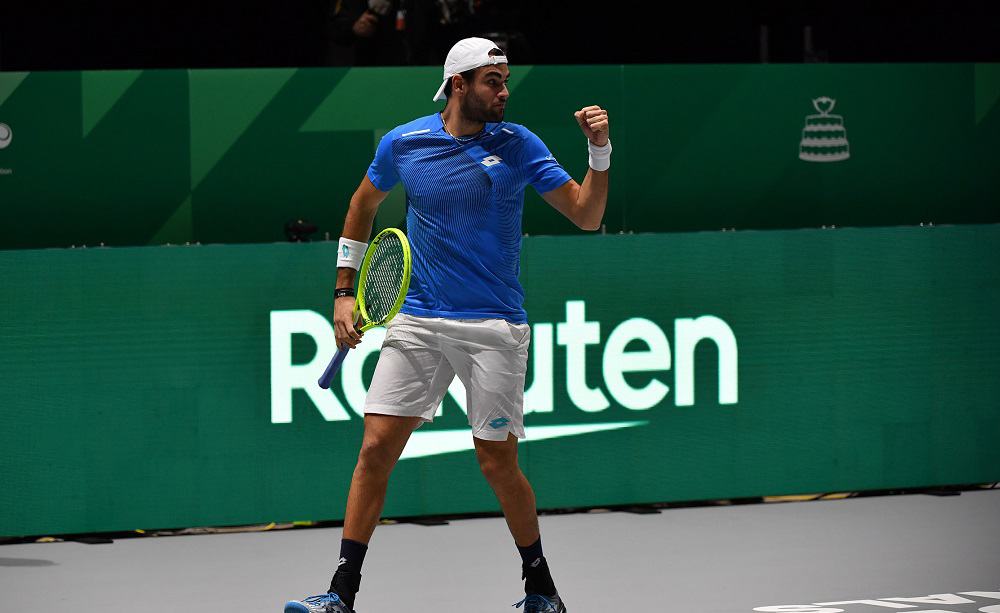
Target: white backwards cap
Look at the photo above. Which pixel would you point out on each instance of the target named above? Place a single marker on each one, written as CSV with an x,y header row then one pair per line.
x,y
467,54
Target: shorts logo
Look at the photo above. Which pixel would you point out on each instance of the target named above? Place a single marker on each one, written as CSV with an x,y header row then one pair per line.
x,y
499,422
491,160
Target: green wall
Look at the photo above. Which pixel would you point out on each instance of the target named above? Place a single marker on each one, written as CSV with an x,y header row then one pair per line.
x,y
218,156
160,387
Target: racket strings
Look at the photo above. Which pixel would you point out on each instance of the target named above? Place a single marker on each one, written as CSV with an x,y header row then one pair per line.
x,y
384,279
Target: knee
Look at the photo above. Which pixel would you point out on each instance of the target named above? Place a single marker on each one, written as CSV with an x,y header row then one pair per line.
x,y
375,458
498,469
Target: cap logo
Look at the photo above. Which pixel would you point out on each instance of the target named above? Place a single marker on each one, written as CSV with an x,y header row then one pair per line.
x,y
493,53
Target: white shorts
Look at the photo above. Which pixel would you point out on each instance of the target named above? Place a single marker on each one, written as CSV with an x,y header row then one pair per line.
x,y
421,356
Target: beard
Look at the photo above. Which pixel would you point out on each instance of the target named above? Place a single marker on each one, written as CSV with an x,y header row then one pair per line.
x,y
474,109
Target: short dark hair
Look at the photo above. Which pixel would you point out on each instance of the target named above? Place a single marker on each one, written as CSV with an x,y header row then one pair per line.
x,y
468,75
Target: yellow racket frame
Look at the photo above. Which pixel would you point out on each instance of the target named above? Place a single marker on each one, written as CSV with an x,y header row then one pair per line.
x,y
359,305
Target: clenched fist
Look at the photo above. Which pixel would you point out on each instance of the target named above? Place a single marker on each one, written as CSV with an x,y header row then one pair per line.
x,y
593,121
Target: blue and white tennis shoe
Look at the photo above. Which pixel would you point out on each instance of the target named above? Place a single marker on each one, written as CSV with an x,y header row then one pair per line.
x,y
324,603
536,603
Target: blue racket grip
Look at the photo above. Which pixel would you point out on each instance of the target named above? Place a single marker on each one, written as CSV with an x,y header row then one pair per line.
x,y
333,367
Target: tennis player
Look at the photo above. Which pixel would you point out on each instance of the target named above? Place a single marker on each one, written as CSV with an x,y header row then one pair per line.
x,y
464,171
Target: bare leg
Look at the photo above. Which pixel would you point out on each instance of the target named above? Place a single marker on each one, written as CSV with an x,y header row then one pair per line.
x,y
498,461
384,439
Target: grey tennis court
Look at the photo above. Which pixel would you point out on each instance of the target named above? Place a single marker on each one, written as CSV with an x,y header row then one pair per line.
x,y
707,559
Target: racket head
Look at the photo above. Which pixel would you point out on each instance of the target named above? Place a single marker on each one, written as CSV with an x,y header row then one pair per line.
x,y
384,278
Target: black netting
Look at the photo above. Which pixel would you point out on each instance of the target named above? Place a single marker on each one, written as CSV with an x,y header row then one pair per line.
x,y
384,278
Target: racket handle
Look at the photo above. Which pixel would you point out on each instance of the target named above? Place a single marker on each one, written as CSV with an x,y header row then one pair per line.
x,y
332,368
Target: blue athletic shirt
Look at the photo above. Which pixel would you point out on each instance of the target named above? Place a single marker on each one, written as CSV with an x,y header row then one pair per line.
x,y
464,213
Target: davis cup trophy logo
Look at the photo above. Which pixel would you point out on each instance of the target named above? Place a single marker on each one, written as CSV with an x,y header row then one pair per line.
x,y
5,135
824,139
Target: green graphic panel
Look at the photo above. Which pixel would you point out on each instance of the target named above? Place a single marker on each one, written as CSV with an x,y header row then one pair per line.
x,y
101,90
9,81
115,180
274,172
215,121
174,386
177,229
375,98
115,157
987,89
729,137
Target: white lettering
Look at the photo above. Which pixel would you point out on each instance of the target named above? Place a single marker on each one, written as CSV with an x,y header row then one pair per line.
x,y
935,599
617,361
687,334
651,353
575,334
874,603
949,599
286,376
797,608
538,398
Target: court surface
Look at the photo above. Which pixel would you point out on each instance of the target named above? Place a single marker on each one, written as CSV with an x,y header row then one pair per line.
x,y
721,559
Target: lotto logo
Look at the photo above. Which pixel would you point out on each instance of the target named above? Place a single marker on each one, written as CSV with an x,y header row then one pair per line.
x,y
491,160
499,422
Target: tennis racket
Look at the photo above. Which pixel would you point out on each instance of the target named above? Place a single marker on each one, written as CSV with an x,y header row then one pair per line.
x,y
382,285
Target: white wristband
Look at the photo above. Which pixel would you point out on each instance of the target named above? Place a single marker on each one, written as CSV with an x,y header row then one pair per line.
x,y
350,253
600,157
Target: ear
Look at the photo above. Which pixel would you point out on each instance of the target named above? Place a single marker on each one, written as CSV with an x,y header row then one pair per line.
x,y
457,83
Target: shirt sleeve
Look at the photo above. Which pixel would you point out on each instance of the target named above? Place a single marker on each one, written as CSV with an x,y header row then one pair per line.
x,y
382,172
542,170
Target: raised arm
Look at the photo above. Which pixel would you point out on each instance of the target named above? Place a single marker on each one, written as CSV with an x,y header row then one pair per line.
x,y
584,204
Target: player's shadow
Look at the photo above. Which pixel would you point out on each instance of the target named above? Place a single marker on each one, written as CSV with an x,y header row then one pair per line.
x,y
25,562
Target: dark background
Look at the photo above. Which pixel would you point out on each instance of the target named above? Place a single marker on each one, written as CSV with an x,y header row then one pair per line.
x,y
157,34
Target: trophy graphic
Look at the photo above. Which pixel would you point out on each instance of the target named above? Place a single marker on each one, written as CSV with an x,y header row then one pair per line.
x,y
824,139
